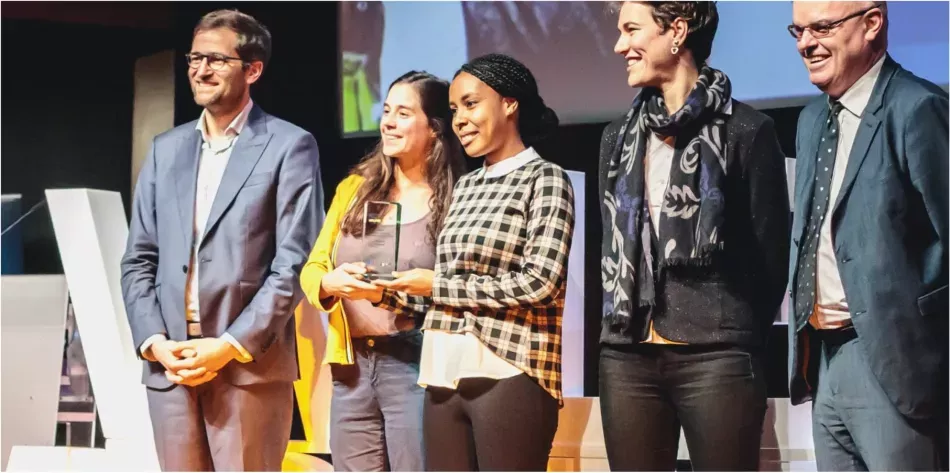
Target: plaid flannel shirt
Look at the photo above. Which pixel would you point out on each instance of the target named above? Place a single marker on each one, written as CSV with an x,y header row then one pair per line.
x,y
501,269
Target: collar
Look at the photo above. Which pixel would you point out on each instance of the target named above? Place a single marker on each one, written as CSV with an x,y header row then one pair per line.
x,y
233,129
856,98
508,165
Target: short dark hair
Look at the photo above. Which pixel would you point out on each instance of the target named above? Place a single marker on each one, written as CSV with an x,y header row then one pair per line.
x,y
702,18
254,40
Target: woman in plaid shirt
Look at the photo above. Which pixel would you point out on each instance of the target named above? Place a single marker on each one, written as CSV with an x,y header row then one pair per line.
x,y
491,356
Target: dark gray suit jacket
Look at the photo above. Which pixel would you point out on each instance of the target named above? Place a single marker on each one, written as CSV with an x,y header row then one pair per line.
x,y
262,224
889,226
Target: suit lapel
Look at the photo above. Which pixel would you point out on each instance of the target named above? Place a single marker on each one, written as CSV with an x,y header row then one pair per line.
x,y
247,152
870,122
186,178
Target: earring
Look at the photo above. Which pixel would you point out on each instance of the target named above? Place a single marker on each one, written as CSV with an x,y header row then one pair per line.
x,y
676,48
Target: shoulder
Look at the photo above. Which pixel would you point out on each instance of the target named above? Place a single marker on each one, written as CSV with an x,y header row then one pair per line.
x,y
743,114
812,110
907,94
545,174
609,137
181,131
350,184
284,130
905,85
745,123
612,128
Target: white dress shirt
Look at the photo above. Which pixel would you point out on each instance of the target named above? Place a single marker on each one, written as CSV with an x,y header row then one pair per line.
x,y
215,153
831,307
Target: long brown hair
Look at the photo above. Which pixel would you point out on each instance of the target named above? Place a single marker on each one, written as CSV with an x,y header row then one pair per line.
x,y
444,164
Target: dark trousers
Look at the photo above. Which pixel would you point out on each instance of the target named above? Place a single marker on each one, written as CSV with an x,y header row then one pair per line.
x,y
647,392
376,409
856,427
489,425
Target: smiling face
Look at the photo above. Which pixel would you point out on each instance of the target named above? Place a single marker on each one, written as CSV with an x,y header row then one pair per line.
x,y
836,61
225,89
644,45
404,126
482,119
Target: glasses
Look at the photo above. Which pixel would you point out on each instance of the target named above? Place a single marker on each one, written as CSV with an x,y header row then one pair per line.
x,y
215,61
823,29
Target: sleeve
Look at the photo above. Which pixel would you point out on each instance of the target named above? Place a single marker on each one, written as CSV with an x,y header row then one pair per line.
x,y
767,189
926,152
550,226
404,305
140,262
148,343
320,261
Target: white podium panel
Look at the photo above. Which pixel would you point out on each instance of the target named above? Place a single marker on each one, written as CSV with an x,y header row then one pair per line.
x,y
572,324
91,232
33,328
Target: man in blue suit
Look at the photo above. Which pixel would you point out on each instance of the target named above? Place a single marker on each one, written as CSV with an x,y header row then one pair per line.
x,y
225,211
868,338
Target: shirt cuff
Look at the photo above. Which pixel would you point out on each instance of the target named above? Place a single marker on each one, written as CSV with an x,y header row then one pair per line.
x,y
159,337
244,357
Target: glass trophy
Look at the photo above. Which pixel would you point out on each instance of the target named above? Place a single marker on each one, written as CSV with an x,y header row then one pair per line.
x,y
382,223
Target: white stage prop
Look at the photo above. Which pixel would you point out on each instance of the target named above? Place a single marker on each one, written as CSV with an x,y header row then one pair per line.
x,y
91,231
572,328
32,328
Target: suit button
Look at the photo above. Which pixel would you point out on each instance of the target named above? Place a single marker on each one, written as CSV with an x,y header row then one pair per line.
x,y
371,343
184,268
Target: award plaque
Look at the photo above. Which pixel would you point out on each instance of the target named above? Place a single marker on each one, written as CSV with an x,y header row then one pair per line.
x,y
380,245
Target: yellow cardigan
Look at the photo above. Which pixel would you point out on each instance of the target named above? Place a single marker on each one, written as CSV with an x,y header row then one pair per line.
x,y
339,346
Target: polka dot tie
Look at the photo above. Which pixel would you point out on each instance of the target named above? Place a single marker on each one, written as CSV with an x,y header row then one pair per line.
x,y
808,260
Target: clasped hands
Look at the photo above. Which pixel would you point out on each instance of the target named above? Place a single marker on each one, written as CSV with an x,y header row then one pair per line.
x,y
193,362
349,281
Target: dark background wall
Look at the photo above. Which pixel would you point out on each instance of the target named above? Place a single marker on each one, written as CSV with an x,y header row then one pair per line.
x,y
67,112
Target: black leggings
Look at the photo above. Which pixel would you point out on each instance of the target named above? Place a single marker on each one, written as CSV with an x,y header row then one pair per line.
x,y
489,425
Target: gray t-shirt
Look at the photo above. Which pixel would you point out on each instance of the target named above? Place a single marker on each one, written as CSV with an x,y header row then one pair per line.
x,y
416,250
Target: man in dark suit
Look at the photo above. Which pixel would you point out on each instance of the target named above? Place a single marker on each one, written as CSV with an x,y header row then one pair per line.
x,y
225,211
868,339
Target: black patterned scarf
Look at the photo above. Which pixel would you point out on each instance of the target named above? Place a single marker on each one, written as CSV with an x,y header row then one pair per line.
x,y
693,212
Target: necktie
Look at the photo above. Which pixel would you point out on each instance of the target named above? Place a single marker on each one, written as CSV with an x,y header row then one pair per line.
x,y
807,262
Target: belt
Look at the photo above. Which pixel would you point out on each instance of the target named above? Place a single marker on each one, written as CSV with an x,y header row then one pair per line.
x,y
194,330
383,342
837,336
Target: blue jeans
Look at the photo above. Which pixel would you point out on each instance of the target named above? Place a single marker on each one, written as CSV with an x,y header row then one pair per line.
x,y
855,426
376,410
716,393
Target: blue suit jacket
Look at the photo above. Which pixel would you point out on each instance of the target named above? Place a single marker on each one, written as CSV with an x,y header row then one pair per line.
x,y
262,223
889,227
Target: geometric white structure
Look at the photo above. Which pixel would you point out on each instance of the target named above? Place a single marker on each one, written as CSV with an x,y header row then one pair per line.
x,y
33,328
91,232
572,322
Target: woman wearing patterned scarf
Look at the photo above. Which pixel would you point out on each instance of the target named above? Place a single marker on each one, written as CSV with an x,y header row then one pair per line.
x,y
696,234
491,353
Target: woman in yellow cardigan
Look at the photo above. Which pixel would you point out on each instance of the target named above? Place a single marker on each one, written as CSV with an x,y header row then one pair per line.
x,y
374,353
